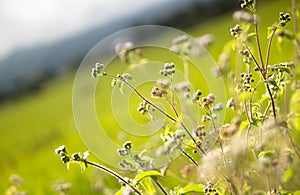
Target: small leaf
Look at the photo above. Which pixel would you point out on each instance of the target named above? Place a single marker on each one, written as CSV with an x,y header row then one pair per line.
x,y
121,87
148,186
288,174
252,34
272,82
83,166
191,188
264,98
120,192
114,82
266,153
244,124
151,173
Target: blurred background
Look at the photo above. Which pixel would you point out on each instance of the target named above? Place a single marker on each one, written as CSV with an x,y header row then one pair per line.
x,y
42,43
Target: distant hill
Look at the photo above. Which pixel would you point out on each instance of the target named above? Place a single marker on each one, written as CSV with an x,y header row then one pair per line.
x,y
25,70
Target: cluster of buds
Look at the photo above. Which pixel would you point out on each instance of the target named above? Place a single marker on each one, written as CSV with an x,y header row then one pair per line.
x,y
61,187
230,103
125,150
243,16
199,131
217,107
144,108
208,100
180,39
98,70
246,80
127,53
196,95
236,31
284,18
246,56
137,161
209,189
208,118
173,141
66,158
169,69
185,45
282,67
156,92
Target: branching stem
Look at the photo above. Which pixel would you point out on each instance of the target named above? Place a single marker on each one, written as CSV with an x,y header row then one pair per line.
x,y
189,157
157,108
114,174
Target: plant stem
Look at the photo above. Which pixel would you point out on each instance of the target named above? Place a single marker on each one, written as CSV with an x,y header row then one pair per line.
x,y
161,187
269,50
295,22
257,35
272,100
142,97
157,108
193,139
173,107
263,74
114,174
189,157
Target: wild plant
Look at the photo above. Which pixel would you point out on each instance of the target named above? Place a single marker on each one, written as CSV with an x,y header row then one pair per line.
x,y
255,152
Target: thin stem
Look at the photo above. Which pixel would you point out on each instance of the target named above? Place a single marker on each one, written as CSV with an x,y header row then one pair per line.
x,y
257,35
295,22
190,135
247,139
293,143
222,150
255,61
246,111
264,77
173,107
269,50
161,187
234,188
189,157
142,97
157,108
116,175
272,100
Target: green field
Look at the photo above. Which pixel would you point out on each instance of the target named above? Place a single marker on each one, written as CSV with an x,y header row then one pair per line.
x,y
32,126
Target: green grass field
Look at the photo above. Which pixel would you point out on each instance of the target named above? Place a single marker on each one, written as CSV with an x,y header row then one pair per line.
x,y
34,125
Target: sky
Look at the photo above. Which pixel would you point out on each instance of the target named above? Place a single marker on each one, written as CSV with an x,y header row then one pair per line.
x,y
31,22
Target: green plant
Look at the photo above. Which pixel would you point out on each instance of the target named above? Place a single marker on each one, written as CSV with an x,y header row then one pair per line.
x,y
258,149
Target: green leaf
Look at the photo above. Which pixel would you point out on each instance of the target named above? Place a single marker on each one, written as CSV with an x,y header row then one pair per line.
x,y
191,188
148,185
151,173
244,124
288,174
120,192
114,82
252,34
264,98
121,87
297,192
272,82
266,153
